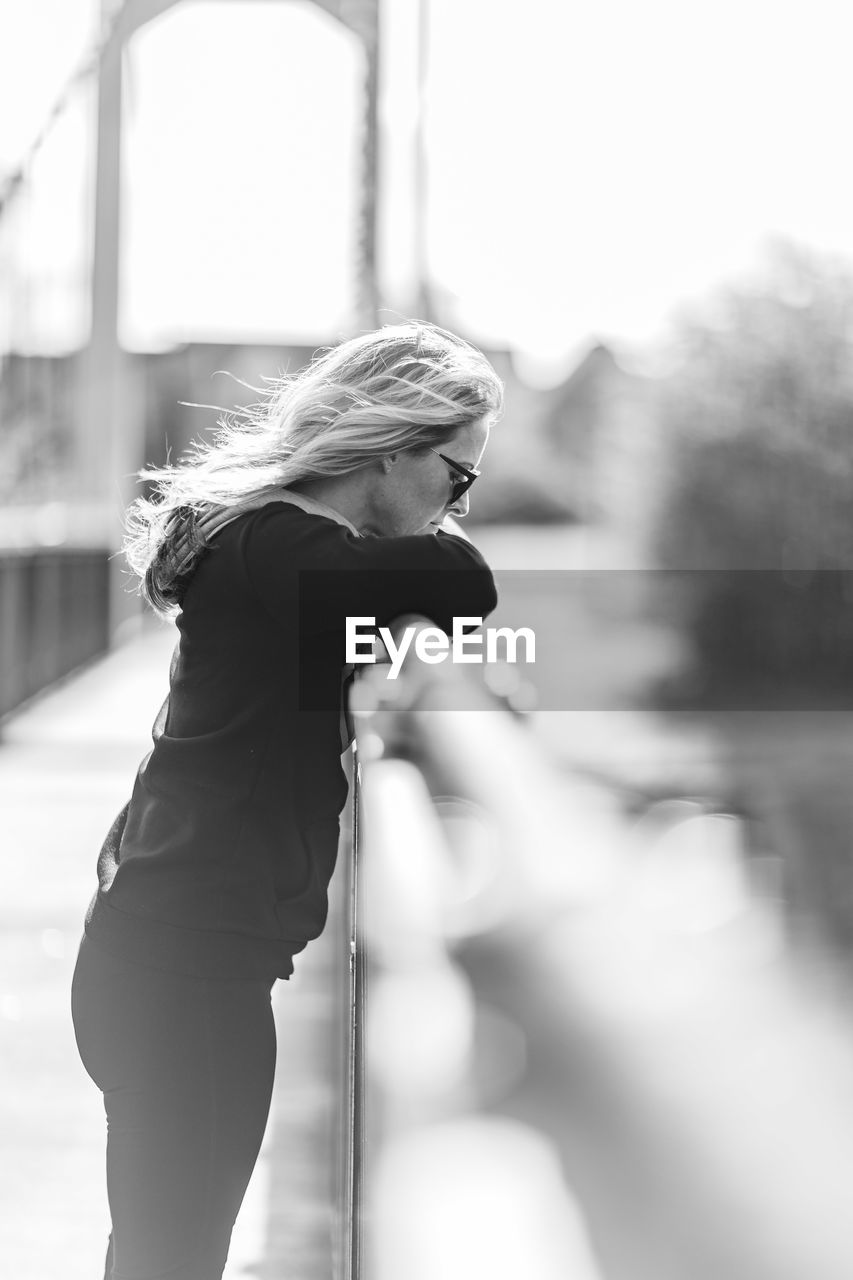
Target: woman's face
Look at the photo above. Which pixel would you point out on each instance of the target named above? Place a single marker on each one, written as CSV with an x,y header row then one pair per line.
x,y
413,495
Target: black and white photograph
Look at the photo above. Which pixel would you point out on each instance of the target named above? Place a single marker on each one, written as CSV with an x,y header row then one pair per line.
x,y
426,640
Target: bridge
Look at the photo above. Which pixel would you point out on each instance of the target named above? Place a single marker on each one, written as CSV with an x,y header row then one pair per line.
x,y
584,1030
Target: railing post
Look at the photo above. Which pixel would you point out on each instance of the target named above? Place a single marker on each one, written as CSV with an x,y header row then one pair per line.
x,y
347,1260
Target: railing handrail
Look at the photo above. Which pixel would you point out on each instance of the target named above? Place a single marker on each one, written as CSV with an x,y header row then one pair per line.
x,y
53,617
711,1076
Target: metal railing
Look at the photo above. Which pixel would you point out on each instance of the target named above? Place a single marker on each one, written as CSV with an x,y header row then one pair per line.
x,y
582,1050
53,617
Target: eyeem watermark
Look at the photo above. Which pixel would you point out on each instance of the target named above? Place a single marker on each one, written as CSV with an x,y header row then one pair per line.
x,y
432,645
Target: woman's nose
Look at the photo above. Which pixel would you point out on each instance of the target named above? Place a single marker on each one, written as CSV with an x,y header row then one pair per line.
x,y
460,506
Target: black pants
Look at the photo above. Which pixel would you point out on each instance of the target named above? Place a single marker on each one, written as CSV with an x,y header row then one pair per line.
x,y
186,1069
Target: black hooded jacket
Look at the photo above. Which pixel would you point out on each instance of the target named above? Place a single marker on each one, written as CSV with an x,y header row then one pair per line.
x,y
220,863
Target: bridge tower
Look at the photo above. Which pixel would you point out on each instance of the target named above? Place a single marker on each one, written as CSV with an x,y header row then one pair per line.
x,y
112,423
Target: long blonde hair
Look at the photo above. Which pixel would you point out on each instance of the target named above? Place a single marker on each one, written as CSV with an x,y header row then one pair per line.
x,y
400,387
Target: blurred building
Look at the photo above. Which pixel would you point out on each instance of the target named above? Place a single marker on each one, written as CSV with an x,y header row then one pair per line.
x,y
599,432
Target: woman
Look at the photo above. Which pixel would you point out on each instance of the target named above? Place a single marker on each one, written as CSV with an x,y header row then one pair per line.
x,y
305,509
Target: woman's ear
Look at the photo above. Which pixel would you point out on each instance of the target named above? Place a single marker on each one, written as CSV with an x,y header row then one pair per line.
x,y
388,462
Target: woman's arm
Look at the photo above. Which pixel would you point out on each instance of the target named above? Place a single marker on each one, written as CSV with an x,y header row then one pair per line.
x,y
298,560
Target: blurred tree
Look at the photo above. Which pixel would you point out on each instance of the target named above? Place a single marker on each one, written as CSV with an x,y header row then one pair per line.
x,y
757,431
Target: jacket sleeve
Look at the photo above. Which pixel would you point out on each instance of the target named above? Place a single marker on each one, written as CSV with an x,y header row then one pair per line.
x,y
328,574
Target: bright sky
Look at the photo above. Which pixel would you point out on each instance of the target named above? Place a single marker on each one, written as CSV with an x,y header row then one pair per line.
x,y
590,165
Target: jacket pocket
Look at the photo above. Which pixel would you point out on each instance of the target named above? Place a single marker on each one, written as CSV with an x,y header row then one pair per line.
x,y
301,915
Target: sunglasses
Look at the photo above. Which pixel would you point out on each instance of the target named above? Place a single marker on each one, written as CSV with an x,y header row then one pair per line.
x,y
466,477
